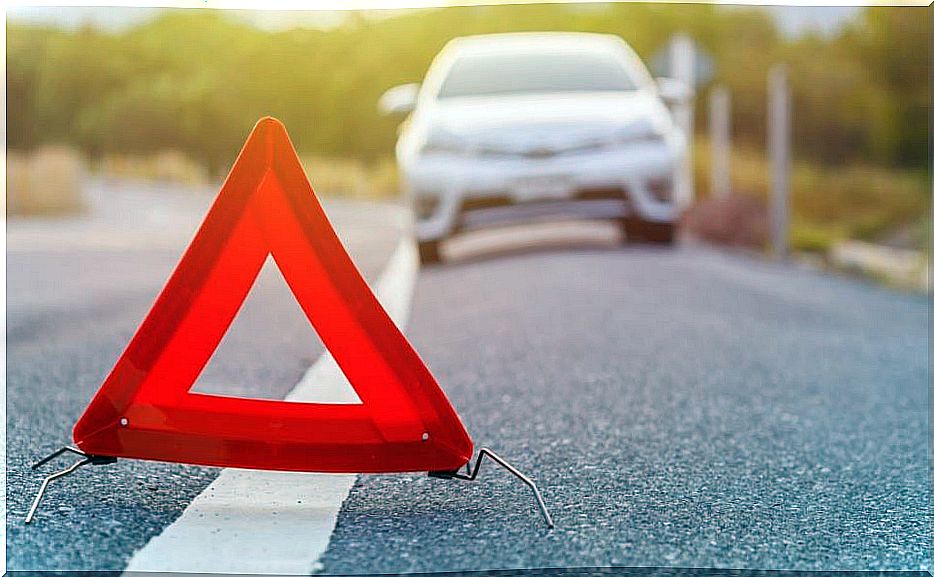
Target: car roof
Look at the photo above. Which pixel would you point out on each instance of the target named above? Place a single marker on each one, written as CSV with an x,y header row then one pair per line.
x,y
513,41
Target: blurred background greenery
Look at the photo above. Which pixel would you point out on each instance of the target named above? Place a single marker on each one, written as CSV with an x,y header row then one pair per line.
x,y
174,95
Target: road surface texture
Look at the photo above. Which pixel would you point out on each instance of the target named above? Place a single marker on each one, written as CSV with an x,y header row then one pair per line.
x,y
77,289
678,408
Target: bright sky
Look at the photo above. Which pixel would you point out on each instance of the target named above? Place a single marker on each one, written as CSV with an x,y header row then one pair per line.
x,y
793,17
392,4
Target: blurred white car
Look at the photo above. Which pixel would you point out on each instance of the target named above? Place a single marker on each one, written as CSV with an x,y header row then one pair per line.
x,y
537,125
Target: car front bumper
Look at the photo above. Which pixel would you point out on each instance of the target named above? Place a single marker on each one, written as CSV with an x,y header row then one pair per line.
x,y
456,192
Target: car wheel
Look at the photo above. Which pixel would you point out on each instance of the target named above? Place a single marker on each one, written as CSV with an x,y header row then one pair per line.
x,y
638,230
659,232
429,251
632,230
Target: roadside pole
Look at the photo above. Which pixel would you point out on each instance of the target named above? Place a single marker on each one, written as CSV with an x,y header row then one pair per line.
x,y
720,186
779,158
682,69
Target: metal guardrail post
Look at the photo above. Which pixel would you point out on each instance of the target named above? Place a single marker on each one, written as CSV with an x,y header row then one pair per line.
x,y
779,158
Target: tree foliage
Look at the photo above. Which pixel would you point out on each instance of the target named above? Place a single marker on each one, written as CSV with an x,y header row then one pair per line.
x,y
196,80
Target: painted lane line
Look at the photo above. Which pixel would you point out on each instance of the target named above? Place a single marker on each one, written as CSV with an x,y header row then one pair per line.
x,y
250,521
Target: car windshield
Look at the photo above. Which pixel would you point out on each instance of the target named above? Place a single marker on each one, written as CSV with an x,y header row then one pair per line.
x,y
533,72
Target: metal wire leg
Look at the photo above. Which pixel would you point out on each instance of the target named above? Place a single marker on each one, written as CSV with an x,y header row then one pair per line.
x,y
57,453
88,460
472,475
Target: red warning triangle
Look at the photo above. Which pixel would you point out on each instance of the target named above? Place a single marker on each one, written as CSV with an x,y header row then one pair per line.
x,y
144,408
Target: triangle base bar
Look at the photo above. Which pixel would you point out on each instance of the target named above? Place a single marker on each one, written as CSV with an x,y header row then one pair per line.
x,y
472,475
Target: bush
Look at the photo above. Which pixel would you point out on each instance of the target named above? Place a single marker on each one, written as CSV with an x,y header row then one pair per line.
x,y
166,166
828,203
330,176
47,181
351,178
739,220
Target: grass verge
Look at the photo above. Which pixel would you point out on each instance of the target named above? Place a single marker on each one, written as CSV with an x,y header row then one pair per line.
x,y
830,204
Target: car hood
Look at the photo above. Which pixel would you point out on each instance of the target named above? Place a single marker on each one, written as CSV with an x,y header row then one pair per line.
x,y
523,123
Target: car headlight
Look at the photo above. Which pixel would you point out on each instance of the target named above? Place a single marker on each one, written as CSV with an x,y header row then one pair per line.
x,y
443,142
425,204
661,188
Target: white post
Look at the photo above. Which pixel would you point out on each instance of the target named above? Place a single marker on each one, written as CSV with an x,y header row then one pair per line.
x,y
720,142
682,69
779,157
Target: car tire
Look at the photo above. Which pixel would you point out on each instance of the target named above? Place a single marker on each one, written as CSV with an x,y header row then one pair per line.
x,y
659,232
631,230
638,230
429,251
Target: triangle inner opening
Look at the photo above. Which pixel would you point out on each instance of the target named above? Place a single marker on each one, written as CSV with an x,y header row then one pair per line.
x,y
268,349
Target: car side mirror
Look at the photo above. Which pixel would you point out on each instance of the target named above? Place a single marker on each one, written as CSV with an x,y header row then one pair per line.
x,y
398,100
673,91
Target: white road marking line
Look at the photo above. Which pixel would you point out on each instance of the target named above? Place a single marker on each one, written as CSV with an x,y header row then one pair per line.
x,y
274,522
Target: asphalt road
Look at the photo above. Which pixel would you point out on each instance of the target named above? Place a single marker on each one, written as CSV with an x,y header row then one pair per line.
x,y
77,288
677,407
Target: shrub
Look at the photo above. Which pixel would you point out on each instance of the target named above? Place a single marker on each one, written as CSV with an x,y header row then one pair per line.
x,y
828,203
165,166
46,181
739,220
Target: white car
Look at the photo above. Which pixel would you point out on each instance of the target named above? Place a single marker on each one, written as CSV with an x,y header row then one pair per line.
x,y
537,125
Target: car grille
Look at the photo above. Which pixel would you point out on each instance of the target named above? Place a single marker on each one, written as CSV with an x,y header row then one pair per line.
x,y
539,152
497,200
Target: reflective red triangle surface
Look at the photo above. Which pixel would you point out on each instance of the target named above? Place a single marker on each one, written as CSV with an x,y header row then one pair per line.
x,y
267,207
